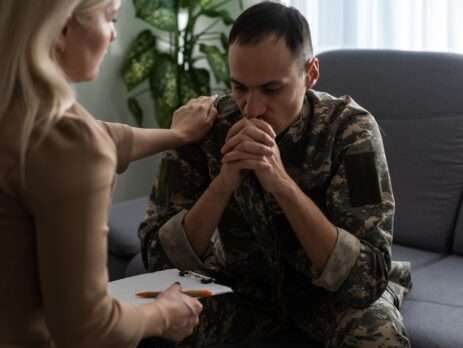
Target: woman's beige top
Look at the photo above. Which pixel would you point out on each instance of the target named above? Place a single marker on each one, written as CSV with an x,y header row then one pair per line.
x,y
53,242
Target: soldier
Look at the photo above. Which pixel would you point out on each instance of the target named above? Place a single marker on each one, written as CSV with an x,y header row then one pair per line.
x,y
287,199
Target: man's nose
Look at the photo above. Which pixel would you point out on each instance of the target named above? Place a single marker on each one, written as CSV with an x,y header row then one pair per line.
x,y
255,105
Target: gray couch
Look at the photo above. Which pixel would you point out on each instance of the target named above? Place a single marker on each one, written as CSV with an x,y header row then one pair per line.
x,y
417,99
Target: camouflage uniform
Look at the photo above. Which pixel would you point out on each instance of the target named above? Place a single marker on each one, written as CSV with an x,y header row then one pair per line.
x,y
334,152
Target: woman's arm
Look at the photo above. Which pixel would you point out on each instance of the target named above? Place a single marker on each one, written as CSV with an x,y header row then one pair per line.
x,y
69,183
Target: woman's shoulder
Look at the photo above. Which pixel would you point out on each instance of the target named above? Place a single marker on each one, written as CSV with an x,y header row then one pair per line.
x,y
74,150
75,132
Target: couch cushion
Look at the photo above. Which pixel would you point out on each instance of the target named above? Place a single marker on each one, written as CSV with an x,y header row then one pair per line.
x,y
418,258
425,156
432,325
135,266
124,219
116,266
440,282
433,310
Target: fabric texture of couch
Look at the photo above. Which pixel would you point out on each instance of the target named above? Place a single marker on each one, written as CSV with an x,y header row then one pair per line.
x,y
417,99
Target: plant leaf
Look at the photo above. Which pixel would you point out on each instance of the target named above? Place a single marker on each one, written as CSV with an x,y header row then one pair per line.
x,y
164,90
217,61
194,83
139,68
201,79
187,88
206,4
136,110
159,13
170,85
224,14
187,3
144,41
162,113
224,41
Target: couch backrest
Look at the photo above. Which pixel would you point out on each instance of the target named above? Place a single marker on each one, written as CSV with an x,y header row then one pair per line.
x,y
458,243
417,99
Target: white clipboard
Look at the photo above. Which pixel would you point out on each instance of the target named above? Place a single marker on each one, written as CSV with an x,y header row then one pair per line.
x,y
125,289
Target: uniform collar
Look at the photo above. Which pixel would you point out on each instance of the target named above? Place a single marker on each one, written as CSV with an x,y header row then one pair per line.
x,y
296,130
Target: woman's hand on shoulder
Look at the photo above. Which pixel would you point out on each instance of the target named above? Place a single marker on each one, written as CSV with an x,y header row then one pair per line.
x,y
193,120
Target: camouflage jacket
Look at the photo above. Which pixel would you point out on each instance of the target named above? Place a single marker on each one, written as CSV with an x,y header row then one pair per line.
x,y
334,152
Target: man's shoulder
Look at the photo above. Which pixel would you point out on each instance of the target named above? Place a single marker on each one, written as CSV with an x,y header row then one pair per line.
x,y
338,111
327,103
228,114
211,143
226,107
350,122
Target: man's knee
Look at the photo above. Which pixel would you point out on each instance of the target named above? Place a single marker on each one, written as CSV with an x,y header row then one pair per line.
x,y
225,319
378,326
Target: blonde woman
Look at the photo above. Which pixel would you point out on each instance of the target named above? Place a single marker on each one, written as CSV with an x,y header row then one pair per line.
x,y
57,166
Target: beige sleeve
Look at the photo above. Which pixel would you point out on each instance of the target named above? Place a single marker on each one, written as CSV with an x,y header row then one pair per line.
x,y
178,248
122,136
340,262
69,178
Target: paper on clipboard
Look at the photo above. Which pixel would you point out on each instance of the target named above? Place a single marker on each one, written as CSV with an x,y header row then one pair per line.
x,y
125,289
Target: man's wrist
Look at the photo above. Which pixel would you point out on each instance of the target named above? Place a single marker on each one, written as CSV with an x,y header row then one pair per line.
x,y
219,187
286,189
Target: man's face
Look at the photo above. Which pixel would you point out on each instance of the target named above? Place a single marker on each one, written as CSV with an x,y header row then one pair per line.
x,y
269,82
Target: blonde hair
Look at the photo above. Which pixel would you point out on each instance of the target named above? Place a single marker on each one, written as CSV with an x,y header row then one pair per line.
x,y
31,80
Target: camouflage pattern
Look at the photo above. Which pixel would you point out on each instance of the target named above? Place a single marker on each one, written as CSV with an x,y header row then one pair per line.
x,y
255,251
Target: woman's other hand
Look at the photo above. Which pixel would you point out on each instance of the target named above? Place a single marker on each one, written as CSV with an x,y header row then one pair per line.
x,y
193,120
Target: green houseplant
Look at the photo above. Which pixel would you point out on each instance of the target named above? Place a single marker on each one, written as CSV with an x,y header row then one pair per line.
x,y
173,56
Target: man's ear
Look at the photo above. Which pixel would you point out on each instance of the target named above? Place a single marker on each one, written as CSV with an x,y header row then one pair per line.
x,y
312,73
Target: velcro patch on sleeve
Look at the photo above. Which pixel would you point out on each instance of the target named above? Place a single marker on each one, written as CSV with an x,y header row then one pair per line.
x,y
362,179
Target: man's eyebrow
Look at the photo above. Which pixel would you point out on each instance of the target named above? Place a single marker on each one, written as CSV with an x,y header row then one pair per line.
x,y
266,84
236,82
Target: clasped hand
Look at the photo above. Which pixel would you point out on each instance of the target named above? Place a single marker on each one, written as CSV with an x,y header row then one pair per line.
x,y
250,144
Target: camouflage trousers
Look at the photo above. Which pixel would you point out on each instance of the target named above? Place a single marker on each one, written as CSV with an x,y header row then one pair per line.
x,y
229,319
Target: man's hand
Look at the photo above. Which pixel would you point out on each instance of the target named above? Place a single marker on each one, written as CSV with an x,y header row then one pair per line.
x,y
250,144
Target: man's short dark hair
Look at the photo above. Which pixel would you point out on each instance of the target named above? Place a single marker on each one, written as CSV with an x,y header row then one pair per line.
x,y
268,18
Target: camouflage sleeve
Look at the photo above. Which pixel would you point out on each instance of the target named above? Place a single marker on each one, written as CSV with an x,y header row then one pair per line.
x,y
183,178
360,204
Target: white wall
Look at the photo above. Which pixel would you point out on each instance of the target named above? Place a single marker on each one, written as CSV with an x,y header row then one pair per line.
x,y
106,99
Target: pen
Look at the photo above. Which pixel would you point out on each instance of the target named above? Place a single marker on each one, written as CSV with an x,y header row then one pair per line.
x,y
192,293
